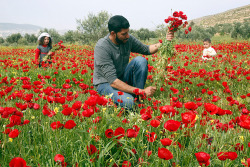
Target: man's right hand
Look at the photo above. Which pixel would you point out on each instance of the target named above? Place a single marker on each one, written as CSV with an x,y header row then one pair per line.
x,y
149,91
170,35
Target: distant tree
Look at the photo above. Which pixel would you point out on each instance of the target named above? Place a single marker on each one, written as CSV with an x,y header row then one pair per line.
x,y
22,41
223,29
211,31
70,36
93,27
1,40
145,34
236,30
56,37
13,38
30,38
161,30
245,30
134,33
197,33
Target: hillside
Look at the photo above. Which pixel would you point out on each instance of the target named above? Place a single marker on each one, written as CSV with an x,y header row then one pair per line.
x,y
12,26
7,29
230,16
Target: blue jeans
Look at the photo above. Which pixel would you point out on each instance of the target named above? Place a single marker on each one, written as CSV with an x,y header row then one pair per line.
x,y
135,75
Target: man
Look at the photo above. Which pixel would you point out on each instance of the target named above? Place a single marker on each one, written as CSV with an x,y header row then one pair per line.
x,y
113,74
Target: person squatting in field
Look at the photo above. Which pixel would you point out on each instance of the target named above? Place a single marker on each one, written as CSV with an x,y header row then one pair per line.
x,y
43,48
113,73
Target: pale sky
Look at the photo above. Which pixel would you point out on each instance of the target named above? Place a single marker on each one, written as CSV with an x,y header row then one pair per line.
x,y
62,14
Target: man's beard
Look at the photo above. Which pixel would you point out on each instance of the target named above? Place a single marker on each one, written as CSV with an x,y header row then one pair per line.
x,y
118,40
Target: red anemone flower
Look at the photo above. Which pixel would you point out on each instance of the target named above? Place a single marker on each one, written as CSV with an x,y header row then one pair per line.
x,y
172,125
109,133
164,153
17,162
203,158
70,124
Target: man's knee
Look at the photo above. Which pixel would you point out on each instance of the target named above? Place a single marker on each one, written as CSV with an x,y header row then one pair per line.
x,y
141,61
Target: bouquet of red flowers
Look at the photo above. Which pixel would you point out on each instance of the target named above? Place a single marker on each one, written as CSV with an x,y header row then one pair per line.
x,y
55,47
166,50
176,22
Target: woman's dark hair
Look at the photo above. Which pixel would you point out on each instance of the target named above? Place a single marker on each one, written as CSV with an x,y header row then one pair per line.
x,y
207,40
116,23
40,42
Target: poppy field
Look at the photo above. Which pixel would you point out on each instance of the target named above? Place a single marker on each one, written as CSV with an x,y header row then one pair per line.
x,y
52,116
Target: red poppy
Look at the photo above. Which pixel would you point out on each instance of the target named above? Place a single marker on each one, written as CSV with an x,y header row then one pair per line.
x,y
109,133
211,108
151,136
59,158
66,86
175,91
210,92
232,155
77,105
97,119
125,121
26,122
126,164
222,156
191,105
131,133
91,149
167,109
56,125
245,123
166,141
164,153
102,101
148,153
120,132
146,116
14,133
92,100
155,123
203,158
172,125
36,106
7,131
15,120
70,124
188,117
227,155
47,111
120,93
88,112
67,111
18,162
50,99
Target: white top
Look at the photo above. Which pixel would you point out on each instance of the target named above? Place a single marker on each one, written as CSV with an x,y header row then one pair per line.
x,y
208,53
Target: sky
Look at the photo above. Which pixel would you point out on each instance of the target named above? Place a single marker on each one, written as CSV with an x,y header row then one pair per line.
x,y
62,14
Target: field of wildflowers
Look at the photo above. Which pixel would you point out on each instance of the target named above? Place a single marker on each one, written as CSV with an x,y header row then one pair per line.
x,y
199,116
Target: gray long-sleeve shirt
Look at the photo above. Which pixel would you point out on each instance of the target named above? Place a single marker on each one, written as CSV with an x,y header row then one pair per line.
x,y
110,60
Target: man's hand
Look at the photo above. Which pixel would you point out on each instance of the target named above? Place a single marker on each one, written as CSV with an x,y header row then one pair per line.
x,y
149,91
170,35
